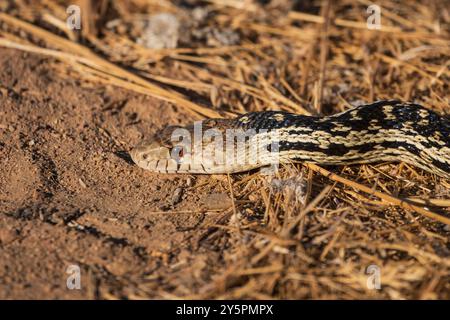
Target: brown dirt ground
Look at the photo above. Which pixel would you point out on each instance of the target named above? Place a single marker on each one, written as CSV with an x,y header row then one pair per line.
x,y
69,194
60,164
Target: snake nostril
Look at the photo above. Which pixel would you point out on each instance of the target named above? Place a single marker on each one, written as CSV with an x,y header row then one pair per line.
x,y
144,156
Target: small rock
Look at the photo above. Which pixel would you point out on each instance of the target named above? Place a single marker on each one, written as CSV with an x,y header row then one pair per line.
x,y
161,31
217,201
189,182
176,196
164,207
82,184
199,13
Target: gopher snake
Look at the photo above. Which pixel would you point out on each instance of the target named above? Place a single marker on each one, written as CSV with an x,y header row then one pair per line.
x,y
382,131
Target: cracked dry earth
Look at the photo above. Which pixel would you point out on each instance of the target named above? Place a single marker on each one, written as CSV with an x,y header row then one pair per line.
x,y
69,194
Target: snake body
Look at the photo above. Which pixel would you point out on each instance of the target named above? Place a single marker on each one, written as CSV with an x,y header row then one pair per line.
x,y
390,131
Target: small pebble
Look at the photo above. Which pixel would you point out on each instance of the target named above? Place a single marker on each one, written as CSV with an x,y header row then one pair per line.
x,y
176,196
217,201
189,182
161,31
82,184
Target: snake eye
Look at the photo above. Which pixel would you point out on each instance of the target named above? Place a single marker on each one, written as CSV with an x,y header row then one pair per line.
x,y
180,152
177,153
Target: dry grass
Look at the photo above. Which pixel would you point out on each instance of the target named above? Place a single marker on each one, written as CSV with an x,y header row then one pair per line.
x,y
301,234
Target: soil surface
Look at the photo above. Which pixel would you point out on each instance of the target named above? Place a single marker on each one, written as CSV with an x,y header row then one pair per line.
x,y
69,193
72,200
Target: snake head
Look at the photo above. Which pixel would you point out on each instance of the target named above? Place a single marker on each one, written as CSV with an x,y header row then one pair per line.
x,y
160,153
208,146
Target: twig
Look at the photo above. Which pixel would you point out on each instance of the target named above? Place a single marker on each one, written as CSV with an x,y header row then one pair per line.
x,y
106,66
233,204
393,200
323,54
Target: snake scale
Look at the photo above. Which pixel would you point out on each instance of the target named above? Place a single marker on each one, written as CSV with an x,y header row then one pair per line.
x,y
383,131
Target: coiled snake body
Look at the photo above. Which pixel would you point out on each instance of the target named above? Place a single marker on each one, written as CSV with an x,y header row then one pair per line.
x,y
382,131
